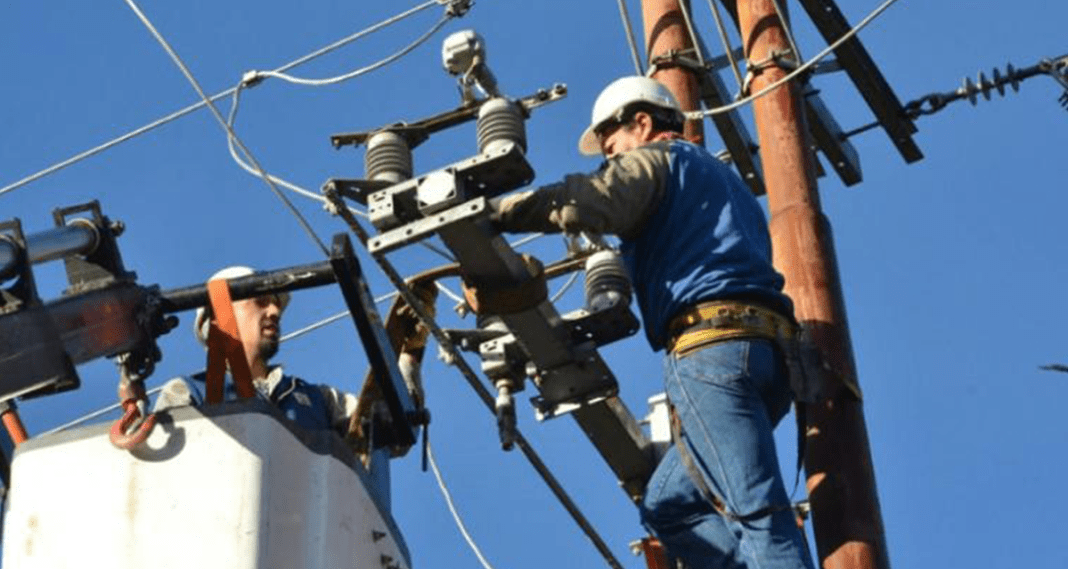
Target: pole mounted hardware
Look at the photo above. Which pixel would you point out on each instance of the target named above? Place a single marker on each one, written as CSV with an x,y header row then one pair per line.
x,y
518,339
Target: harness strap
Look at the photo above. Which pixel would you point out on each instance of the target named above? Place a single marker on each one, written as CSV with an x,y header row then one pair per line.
x,y
702,486
224,347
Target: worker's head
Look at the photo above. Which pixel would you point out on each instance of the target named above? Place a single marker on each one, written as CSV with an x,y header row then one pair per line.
x,y
630,112
258,319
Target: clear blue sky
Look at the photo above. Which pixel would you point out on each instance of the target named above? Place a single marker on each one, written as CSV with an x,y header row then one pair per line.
x,y
953,268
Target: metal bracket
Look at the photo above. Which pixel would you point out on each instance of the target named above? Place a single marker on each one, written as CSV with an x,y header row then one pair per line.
x,y
417,132
103,266
830,139
426,227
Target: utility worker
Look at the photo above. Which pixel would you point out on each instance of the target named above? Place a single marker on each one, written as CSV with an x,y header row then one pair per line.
x,y
696,246
312,407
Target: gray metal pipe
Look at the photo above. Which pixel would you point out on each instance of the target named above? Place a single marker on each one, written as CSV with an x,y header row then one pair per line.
x,y
78,237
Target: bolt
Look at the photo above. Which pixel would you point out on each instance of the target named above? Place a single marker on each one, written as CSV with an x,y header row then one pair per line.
x,y
117,228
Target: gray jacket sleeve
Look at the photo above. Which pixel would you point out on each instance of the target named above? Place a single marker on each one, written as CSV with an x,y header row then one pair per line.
x,y
616,199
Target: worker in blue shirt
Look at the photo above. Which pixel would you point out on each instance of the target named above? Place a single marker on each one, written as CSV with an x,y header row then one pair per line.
x,y
696,246
310,406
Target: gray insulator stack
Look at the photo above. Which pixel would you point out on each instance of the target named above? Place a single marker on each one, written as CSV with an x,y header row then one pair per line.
x,y
606,281
388,158
499,122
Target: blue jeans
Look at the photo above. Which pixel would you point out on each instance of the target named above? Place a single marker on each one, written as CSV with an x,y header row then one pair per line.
x,y
728,396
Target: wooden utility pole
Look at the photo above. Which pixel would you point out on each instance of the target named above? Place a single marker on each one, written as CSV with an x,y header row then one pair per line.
x,y
841,479
666,34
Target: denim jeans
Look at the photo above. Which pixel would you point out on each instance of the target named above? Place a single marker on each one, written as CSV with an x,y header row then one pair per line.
x,y
728,396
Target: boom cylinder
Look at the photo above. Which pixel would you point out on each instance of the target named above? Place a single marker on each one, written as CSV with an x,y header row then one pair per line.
x,y
79,237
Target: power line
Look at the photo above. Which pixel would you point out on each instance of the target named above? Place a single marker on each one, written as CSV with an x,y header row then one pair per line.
x,y
801,69
340,78
222,122
452,509
195,106
726,41
563,289
629,32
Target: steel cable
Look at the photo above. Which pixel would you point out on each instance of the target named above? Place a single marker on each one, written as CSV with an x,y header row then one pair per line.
x,y
628,30
726,42
781,12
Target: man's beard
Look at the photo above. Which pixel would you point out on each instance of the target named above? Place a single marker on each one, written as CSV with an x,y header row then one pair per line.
x,y
267,348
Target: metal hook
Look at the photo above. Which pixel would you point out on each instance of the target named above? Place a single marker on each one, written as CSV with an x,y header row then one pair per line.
x,y
120,435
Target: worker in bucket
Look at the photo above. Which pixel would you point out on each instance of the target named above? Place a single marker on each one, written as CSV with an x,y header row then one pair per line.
x,y
696,246
312,407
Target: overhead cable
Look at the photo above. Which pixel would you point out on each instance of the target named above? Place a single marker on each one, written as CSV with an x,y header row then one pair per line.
x,y
800,69
254,75
628,30
199,104
563,289
781,12
726,41
452,509
523,241
688,20
230,120
315,326
455,297
222,122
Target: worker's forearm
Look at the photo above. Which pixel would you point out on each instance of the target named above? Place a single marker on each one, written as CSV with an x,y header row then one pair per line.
x,y
617,199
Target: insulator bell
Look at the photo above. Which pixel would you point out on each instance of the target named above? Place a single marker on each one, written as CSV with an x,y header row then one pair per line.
x,y
500,121
606,281
388,158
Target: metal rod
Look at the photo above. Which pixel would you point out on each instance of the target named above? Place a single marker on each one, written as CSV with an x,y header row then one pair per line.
x,y
77,238
281,280
841,478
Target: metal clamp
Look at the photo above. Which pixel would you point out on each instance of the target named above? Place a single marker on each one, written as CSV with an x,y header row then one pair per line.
x,y
777,58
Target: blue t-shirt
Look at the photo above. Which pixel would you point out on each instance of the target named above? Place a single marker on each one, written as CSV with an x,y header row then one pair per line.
x,y
707,239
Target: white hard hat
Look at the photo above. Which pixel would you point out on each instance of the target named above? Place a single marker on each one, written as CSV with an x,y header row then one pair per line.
x,y
200,321
615,97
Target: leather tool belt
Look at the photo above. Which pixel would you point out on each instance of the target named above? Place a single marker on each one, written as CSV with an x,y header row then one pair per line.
x,y
719,320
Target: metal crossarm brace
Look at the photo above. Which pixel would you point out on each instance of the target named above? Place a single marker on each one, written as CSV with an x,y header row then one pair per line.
x,y
854,58
829,138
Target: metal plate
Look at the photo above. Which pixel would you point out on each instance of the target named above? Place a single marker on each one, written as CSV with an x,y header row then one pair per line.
x,y
419,230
